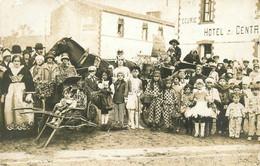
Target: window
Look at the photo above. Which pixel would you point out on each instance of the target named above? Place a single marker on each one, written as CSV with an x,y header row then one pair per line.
x,y
258,9
208,8
120,27
145,32
160,30
206,50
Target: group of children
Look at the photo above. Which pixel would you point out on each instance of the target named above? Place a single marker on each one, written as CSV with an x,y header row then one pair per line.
x,y
228,99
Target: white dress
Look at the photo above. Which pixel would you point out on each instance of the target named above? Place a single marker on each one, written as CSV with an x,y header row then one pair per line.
x,y
201,108
133,101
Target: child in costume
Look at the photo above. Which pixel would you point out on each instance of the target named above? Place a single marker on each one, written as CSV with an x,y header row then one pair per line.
x,y
134,90
235,112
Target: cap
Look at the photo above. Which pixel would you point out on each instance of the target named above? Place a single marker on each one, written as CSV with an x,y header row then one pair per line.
x,y
168,80
174,41
49,55
215,56
226,61
210,79
246,61
199,81
135,68
199,66
38,46
6,53
222,78
156,73
39,57
232,81
255,86
92,68
65,56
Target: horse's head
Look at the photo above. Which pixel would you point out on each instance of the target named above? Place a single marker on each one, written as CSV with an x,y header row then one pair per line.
x,y
60,47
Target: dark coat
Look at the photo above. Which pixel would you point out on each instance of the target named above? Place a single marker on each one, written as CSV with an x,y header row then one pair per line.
x,y
247,71
120,92
106,101
28,65
90,85
192,58
223,94
4,65
176,55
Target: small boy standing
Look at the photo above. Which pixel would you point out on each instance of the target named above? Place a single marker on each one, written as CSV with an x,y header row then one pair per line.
x,y
235,112
119,98
134,90
252,112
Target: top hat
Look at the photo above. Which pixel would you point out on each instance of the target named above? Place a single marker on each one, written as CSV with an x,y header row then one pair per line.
x,y
174,41
16,49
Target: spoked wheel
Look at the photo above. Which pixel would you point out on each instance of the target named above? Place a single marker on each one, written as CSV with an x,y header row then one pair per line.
x,y
93,115
145,116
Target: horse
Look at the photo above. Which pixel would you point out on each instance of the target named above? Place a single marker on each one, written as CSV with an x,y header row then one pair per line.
x,y
81,58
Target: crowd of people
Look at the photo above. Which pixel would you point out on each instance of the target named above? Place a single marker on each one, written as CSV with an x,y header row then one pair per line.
x,y
229,94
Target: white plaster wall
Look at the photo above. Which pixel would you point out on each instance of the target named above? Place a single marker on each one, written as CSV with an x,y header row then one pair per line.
x,y
132,42
231,18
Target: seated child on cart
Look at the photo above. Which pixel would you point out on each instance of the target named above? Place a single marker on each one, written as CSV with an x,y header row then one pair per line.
x,y
65,104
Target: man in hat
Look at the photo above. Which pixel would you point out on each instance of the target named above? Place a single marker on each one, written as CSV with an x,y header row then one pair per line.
x,y
66,68
16,49
198,75
91,81
6,58
193,57
174,51
38,50
255,73
29,48
246,70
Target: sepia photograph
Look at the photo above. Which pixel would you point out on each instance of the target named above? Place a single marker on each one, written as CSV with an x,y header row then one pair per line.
x,y
129,82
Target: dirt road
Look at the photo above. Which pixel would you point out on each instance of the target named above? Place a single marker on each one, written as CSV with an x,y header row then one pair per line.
x,y
128,147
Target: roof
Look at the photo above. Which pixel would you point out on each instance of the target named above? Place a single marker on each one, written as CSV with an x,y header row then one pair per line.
x,y
126,13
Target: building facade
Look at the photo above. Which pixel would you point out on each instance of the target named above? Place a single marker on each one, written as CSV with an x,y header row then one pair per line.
x,y
104,29
230,29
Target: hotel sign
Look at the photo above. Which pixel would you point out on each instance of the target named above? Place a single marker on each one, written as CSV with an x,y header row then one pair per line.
x,y
237,30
